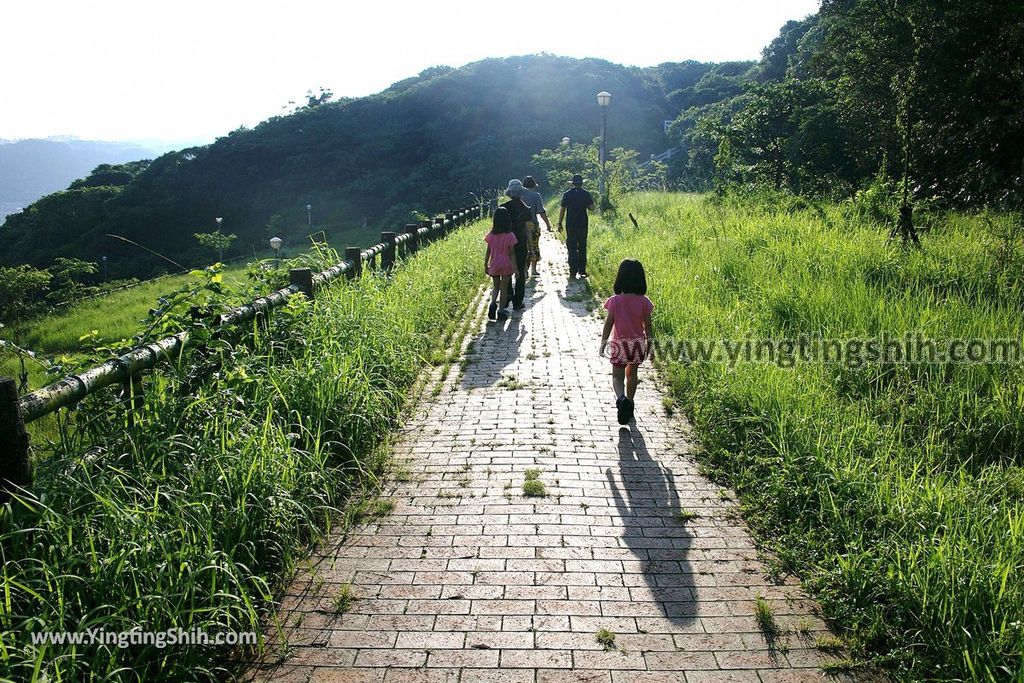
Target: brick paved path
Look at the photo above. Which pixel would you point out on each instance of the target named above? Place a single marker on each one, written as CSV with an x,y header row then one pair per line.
x,y
469,580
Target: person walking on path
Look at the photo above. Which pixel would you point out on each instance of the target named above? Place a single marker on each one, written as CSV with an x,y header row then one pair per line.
x,y
576,203
499,262
629,325
520,215
532,198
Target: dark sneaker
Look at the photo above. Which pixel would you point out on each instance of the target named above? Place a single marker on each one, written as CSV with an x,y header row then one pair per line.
x,y
492,311
503,314
583,273
620,409
628,407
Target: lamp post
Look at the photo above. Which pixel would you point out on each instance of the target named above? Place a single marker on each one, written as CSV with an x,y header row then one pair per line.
x,y
105,277
604,98
309,217
275,244
220,242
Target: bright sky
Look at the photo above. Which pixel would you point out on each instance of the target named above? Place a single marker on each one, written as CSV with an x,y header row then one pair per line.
x,y
182,69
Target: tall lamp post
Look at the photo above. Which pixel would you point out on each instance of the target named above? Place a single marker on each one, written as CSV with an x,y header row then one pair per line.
x,y
105,276
604,98
309,217
220,243
275,244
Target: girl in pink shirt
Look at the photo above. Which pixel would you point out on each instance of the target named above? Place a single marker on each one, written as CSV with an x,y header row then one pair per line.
x,y
499,261
629,325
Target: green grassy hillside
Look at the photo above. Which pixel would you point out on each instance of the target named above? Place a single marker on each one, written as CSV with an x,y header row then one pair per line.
x,y
896,491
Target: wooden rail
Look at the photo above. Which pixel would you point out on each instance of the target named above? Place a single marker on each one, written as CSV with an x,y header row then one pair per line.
x,y
15,412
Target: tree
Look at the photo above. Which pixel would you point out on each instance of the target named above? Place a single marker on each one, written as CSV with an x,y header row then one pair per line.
x,y
217,241
65,286
626,173
23,292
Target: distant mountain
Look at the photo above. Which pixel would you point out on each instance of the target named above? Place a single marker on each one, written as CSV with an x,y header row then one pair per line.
x,y
422,144
30,169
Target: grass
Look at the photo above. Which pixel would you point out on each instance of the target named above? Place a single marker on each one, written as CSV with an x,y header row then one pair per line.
x,y
112,317
605,639
685,515
533,487
344,599
828,643
765,617
195,515
896,491
511,383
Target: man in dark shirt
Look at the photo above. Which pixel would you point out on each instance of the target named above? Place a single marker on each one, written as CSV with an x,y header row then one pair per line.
x,y
521,215
575,205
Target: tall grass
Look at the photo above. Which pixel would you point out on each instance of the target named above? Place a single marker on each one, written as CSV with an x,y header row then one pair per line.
x,y
111,317
190,516
896,491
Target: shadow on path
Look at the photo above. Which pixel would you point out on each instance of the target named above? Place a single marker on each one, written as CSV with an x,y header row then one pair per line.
x,y
577,297
492,351
648,504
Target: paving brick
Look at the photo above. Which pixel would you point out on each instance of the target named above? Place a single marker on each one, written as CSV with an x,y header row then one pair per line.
x,y
430,640
463,659
561,676
334,675
534,659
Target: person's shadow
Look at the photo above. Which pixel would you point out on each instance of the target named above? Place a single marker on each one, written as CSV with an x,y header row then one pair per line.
x,y
577,296
655,526
491,352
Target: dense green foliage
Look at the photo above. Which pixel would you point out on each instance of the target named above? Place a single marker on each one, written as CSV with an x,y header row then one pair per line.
x,y
895,490
26,291
190,515
624,171
422,143
931,85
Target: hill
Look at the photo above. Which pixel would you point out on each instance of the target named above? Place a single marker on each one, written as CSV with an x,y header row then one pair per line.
x,y
424,142
30,169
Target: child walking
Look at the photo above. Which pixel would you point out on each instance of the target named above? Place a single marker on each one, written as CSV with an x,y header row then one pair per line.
x,y
499,262
629,325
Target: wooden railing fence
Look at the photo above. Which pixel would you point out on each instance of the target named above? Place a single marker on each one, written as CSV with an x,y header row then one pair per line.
x,y
126,370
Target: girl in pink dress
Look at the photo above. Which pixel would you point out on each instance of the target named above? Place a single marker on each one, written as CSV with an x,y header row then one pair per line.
x,y
499,261
629,325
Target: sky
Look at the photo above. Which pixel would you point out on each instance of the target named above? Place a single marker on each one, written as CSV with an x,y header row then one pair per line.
x,y
197,69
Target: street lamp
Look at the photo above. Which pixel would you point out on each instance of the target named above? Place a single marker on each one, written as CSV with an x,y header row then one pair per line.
x,y
309,216
105,278
604,98
220,242
275,244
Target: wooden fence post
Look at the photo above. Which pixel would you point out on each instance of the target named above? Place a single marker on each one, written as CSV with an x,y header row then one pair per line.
x,y
303,277
387,257
354,256
413,245
15,466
